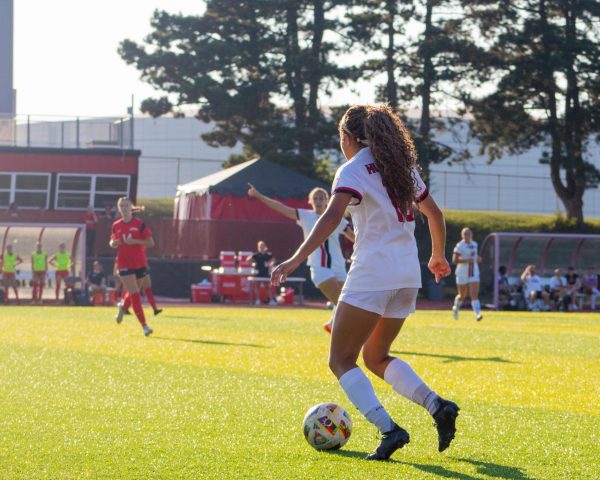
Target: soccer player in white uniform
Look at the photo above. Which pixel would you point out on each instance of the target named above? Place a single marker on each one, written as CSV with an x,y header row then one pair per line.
x,y
379,184
467,273
327,264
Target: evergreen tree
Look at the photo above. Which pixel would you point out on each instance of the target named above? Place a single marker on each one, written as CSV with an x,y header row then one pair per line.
x,y
546,85
256,68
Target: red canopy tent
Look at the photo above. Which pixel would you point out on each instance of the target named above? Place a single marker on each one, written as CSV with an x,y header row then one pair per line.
x,y
223,195
215,213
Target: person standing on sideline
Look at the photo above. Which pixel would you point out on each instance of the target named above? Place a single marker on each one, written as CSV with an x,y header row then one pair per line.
x,y
380,184
91,219
39,267
262,261
130,236
467,273
61,260
10,260
326,262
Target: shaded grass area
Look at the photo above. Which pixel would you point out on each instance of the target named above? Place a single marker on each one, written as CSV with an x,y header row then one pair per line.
x,y
221,393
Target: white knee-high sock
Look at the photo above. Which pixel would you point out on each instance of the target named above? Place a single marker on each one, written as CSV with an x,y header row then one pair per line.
x,y
360,391
332,318
457,302
405,381
476,304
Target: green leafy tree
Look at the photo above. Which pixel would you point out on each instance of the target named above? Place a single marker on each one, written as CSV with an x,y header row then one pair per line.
x,y
545,88
255,68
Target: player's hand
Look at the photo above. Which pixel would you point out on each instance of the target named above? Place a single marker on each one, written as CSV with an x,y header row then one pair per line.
x,y
116,242
252,192
438,265
281,272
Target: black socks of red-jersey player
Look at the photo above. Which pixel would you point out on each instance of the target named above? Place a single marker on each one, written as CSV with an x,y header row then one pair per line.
x,y
150,297
136,303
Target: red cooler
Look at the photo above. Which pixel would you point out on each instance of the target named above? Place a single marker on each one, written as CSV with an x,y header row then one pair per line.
x,y
201,293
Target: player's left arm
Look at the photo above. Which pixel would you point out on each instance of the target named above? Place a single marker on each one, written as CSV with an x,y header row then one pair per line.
x,y
325,226
147,242
349,233
438,265
147,239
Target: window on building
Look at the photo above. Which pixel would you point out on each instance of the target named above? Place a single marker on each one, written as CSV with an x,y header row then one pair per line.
x,y
5,183
27,190
109,189
79,191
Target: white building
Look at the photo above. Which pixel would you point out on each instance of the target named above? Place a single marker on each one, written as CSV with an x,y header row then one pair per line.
x,y
173,153
514,183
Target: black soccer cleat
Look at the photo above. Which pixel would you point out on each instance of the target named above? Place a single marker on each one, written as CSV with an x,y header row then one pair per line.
x,y
391,441
158,311
126,312
445,422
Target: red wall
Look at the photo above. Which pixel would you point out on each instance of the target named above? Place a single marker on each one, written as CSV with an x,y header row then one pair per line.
x,y
110,161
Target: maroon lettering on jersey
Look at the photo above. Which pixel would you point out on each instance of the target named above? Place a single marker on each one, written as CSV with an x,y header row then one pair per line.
x,y
371,168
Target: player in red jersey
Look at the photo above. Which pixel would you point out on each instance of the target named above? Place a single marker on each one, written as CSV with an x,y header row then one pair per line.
x,y
130,236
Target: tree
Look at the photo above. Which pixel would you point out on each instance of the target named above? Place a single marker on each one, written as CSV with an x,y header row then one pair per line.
x,y
256,68
430,64
546,85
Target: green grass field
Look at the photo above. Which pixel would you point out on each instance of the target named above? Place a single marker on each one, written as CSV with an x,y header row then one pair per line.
x,y
221,393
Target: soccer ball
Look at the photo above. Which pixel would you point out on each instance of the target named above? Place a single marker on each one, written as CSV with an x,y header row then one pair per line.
x,y
327,426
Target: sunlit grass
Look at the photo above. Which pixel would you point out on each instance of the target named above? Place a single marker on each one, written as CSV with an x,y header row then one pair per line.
x,y
221,393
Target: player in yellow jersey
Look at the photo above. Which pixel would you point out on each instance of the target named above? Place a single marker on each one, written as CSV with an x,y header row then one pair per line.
x,y
10,260
39,267
61,260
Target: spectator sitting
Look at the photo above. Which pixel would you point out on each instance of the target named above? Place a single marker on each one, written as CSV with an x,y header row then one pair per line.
x,y
533,290
96,279
590,287
558,291
262,261
505,290
573,286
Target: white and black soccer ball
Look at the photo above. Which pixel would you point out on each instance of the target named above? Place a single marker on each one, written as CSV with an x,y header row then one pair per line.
x,y
327,426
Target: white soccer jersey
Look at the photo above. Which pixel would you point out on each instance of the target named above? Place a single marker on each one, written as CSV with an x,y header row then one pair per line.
x,y
329,254
385,251
555,282
467,251
533,283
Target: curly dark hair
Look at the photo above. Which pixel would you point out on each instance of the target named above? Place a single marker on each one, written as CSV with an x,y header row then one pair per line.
x,y
392,147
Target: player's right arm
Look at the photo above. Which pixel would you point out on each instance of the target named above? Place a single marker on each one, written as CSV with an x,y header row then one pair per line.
x,y
279,207
114,241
